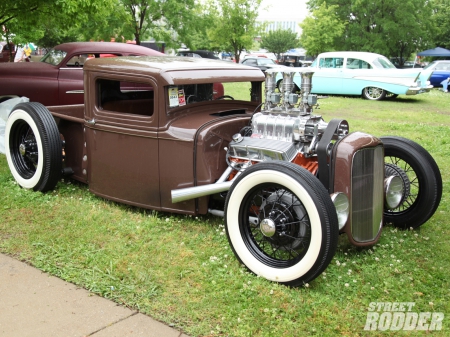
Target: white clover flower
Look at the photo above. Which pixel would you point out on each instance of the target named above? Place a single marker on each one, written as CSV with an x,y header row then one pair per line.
x,y
306,285
271,292
347,285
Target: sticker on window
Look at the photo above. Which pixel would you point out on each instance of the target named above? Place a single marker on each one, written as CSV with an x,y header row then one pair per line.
x,y
181,97
173,97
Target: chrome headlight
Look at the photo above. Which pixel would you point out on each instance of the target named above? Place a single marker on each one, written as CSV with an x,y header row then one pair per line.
x,y
393,189
341,204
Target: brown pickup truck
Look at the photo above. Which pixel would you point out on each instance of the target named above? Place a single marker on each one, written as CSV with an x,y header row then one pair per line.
x,y
152,134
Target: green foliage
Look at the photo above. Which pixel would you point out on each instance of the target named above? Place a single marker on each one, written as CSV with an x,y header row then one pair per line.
x,y
162,20
279,41
441,19
234,24
51,22
384,27
321,30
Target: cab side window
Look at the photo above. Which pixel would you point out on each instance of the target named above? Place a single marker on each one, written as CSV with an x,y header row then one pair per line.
x,y
125,97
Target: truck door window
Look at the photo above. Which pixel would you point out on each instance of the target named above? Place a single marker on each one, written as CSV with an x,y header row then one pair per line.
x,y
125,97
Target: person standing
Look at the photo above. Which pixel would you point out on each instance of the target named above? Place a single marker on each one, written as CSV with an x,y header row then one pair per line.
x,y
445,84
27,51
20,54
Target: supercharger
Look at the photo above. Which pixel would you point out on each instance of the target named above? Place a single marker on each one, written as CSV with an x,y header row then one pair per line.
x,y
285,127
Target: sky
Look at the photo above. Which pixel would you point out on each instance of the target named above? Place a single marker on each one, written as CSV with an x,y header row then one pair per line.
x,y
283,10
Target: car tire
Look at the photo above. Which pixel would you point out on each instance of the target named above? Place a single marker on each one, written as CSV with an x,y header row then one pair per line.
x,y
33,147
281,223
374,93
391,96
422,179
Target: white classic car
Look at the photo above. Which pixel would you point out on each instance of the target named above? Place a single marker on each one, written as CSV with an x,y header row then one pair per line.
x,y
370,75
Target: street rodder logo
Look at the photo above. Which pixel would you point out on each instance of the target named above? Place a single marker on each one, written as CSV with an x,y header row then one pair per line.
x,y
400,316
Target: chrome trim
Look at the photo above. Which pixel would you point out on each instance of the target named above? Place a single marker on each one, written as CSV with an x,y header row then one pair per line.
x,y
75,92
367,193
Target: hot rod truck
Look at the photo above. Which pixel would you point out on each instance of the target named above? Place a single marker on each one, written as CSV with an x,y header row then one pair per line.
x,y
151,134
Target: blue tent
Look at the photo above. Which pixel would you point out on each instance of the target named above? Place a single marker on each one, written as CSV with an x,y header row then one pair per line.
x,y
438,51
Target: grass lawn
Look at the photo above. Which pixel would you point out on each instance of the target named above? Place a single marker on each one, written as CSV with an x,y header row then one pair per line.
x,y
181,270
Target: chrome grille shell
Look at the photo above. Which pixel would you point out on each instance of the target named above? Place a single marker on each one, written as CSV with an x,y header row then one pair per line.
x,y
358,171
367,194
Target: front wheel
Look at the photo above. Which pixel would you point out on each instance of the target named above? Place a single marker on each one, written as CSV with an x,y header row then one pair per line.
x,y
281,223
422,182
33,147
374,94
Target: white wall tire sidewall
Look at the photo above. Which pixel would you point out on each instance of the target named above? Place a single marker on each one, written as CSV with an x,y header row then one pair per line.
x,y
257,267
33,181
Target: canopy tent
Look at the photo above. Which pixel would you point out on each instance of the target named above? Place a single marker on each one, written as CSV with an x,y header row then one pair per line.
x,y
438,51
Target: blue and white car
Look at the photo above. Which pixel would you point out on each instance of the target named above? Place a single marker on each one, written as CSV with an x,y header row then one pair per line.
x,y
369,75
437,71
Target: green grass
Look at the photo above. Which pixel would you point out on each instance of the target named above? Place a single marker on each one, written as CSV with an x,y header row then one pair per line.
x,y
181,270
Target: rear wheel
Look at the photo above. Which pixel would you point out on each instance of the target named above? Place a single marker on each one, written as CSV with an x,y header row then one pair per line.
x,y
281,223
374,93
33,147
421,178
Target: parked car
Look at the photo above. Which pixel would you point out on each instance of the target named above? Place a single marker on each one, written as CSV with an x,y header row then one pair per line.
x,y
437,71
57,79
262,63
369,75
5,49
286,182
198,53
294,60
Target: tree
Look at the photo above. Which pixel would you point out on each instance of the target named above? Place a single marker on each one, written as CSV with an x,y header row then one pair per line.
x,y
441,19
279,41
235,24
48,21
166,20
385,27
321,30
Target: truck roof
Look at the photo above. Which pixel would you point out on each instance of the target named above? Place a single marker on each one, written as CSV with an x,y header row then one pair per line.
x,y
173,70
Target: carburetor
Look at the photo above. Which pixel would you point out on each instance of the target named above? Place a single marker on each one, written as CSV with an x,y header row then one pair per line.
x,y
285,127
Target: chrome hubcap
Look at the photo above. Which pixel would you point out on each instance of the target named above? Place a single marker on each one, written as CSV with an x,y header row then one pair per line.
x,y
22,149
267,227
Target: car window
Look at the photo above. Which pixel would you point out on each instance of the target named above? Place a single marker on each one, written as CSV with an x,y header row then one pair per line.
x,y
189,93
54,57
383,62
264,61
331,62
250,62
79,60
125,97
357,64
431,65
443,66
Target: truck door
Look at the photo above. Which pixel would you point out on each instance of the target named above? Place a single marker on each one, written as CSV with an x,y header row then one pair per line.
x,y
122,144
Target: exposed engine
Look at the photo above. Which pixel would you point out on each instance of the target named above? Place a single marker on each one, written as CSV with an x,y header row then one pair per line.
x,y
285,129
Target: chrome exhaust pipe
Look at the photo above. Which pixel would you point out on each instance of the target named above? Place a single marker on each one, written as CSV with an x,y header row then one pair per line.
x,y
188,193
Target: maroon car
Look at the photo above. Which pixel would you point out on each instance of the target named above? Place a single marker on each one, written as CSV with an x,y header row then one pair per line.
x,y
58,78
5,51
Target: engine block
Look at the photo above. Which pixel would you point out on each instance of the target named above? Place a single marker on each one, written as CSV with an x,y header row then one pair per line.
x,y
286,117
